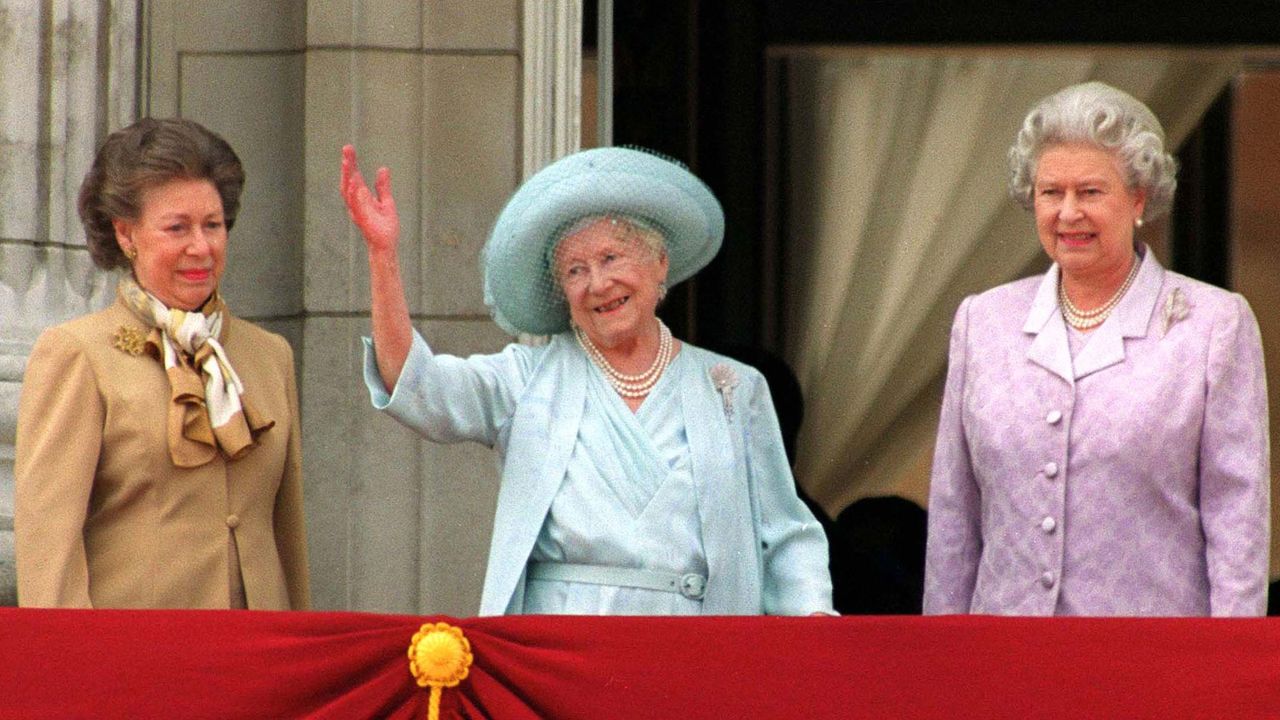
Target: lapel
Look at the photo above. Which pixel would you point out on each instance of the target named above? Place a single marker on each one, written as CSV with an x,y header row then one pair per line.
x,y
1049,349
1130,319
718,458
543,434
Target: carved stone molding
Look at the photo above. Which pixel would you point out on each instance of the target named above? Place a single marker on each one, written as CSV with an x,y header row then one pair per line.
x,y
552,81
13,356
70,76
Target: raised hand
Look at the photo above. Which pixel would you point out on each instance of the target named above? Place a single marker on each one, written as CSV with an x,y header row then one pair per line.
x,y
373,212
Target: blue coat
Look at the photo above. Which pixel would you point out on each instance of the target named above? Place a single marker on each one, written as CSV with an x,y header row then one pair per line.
x,y
765,553
1131,480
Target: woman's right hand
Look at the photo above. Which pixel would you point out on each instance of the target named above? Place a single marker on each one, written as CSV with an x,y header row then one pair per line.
x,y
374,214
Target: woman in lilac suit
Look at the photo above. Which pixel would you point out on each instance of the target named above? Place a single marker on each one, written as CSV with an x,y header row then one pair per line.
x,y
1103,444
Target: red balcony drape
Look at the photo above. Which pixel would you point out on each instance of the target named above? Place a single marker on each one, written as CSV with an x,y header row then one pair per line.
x,y
241,664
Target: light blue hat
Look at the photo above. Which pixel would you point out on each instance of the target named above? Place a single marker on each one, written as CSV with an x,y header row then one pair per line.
x,y
519,284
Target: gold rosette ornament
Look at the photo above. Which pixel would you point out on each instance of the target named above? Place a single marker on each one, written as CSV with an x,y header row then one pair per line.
x,y
439,657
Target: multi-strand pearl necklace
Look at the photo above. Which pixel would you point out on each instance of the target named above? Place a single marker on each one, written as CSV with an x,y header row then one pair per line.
x,y
1084,320
631,386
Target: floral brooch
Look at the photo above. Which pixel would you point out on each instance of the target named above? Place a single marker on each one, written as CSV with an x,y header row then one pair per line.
x,y
725,380
129,339
1176,308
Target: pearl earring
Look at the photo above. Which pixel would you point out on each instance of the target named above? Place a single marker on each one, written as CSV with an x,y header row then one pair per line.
x,y
662,291
1137,222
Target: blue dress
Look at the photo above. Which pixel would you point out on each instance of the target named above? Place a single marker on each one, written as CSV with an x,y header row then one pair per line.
x,y
701,480
627,500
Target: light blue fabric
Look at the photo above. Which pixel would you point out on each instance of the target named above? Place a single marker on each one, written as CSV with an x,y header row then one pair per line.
x,y
628,500
764,552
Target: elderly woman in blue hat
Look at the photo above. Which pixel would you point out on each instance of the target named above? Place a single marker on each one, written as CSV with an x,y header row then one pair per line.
x,y
641,475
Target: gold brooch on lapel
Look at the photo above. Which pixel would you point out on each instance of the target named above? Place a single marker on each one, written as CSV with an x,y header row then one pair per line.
x,y
129,339
1176,308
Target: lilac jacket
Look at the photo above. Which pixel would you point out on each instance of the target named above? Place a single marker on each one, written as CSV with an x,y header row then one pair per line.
x,y
1132,480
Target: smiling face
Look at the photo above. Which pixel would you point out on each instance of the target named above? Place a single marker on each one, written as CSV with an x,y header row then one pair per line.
x,y
180,238
610,277
1085,211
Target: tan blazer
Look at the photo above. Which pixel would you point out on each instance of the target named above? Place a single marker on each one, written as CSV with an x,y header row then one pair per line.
x,y
103,518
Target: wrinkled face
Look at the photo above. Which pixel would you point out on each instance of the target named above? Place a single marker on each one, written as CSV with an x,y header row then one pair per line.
x,y
1085,211
610,278
181,242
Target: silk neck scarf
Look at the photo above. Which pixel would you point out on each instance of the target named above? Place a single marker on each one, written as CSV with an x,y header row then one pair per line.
x,y
208,410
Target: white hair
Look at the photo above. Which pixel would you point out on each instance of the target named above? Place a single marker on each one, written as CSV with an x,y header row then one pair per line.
x,y
1097,114
629,227
625,227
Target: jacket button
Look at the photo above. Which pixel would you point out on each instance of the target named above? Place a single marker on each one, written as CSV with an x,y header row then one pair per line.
x,y
1051,469
1053,417
233,521
1047,580
693,586
1048,524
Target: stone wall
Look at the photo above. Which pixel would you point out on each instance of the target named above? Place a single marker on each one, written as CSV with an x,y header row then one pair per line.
x,y
460,98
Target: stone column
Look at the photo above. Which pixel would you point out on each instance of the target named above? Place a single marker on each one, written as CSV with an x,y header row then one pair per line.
x,y
69,74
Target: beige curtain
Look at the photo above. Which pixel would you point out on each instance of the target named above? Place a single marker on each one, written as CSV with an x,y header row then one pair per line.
x,y
898,209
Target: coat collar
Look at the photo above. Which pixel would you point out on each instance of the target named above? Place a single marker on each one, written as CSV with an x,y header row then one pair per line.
x,y
1130,319
543,435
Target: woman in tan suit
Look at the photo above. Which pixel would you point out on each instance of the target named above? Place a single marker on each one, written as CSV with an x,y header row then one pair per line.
x,y
158,453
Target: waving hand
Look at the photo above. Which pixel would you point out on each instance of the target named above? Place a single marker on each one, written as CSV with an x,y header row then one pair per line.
x,y
373,212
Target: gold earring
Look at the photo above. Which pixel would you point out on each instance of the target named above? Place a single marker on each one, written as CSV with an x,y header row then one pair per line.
x,y
131,253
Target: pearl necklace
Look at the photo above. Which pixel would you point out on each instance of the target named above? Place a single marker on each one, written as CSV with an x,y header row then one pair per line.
x,y
630,386
1084,320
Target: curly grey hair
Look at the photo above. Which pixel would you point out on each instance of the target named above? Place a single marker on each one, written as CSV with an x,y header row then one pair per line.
x,y
1101,115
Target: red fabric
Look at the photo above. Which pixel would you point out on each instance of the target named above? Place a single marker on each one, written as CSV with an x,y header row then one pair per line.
x,y
240,664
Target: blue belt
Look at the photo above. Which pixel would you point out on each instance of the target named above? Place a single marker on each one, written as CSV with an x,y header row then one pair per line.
x,y
690,585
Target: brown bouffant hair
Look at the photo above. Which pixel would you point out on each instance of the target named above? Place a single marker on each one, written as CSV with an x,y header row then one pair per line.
x,y
145,155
